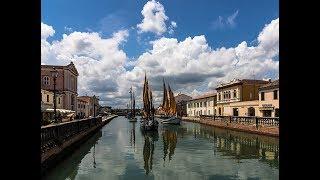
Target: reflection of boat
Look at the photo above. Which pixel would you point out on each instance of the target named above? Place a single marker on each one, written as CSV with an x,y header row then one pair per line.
x,y
132,114
148,149
169,107
169,143
148,123
133,135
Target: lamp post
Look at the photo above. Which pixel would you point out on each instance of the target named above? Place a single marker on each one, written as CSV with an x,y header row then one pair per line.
x,y
54,74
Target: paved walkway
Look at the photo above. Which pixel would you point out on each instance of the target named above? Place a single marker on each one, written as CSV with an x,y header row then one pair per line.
x,y
264,130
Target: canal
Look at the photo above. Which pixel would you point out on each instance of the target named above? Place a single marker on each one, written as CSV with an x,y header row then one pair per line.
x,y
189,151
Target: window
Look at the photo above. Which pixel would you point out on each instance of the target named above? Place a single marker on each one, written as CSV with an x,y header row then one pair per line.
x,y
234,93
250,95
219,97
276,113
262,96
46,80
200,104
58,100
205,104
219,111
275,94
208,112
78,105
47,98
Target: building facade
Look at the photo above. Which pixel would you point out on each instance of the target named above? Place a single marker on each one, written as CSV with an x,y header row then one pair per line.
x,y
66,84
82,108
92,105
181,101
47,100
237,91
202,105
269,99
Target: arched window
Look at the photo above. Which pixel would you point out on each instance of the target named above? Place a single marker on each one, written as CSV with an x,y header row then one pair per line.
x,y
220,111
46,80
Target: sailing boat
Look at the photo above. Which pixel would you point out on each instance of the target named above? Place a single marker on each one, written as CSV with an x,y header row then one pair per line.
x,y
132,114
148,123
169,107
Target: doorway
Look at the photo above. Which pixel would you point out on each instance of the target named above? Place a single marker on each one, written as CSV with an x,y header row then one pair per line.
x,y
251,111
235,112
266,113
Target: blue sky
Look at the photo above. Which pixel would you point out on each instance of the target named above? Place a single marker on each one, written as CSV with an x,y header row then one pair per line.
x,y
194,45
192,17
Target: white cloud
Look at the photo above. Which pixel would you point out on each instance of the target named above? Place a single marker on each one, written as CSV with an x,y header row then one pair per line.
x,y
171,27
46,31
230,19
228,22
154,18
191,66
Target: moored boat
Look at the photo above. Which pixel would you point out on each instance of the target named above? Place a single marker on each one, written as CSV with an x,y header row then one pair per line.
x,y
149,123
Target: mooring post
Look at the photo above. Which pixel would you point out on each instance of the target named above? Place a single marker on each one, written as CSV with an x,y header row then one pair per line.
x,y
257,125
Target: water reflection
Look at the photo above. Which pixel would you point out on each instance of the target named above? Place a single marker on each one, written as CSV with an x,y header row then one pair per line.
x,y
70,170
169,137
133,135
188,151
148,149
239,145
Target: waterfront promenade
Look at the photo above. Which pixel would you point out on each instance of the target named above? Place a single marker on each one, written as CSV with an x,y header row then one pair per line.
x,y
249,127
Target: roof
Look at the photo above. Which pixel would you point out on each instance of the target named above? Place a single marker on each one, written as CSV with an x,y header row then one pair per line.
x,y
70,67
271,85
239,82
207,95
182,97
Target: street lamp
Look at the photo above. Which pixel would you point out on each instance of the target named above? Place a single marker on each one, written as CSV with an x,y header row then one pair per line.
x,y
54,74
94,105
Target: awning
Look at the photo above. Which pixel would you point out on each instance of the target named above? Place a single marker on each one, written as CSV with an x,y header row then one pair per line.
x,y
59,111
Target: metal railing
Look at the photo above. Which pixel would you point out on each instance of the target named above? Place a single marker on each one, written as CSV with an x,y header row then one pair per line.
x,y
55,134
267,121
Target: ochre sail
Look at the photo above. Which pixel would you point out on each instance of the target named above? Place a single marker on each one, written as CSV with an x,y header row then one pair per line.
x,y
172,102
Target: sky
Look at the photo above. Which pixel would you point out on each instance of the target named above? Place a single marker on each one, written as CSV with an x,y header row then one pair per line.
x,y
193,45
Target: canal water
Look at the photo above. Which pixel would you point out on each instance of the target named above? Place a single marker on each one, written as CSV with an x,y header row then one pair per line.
x,y
188,151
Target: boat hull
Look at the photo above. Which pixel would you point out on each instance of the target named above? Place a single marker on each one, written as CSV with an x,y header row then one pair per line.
x,y
171,120
149,125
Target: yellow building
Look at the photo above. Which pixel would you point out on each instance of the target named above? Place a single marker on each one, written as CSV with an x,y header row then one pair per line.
x,y
269,99
47,100
229,96
202,105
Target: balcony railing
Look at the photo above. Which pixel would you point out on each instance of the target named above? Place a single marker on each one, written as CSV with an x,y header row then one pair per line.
x,y
54,135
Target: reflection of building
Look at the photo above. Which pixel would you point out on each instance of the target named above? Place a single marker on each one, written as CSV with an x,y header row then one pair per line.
x,y
47,100
269,99
202,105
237,91
66,83
92,104
181,100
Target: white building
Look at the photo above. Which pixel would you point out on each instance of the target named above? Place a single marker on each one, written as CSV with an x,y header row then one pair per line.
x,y
202,105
